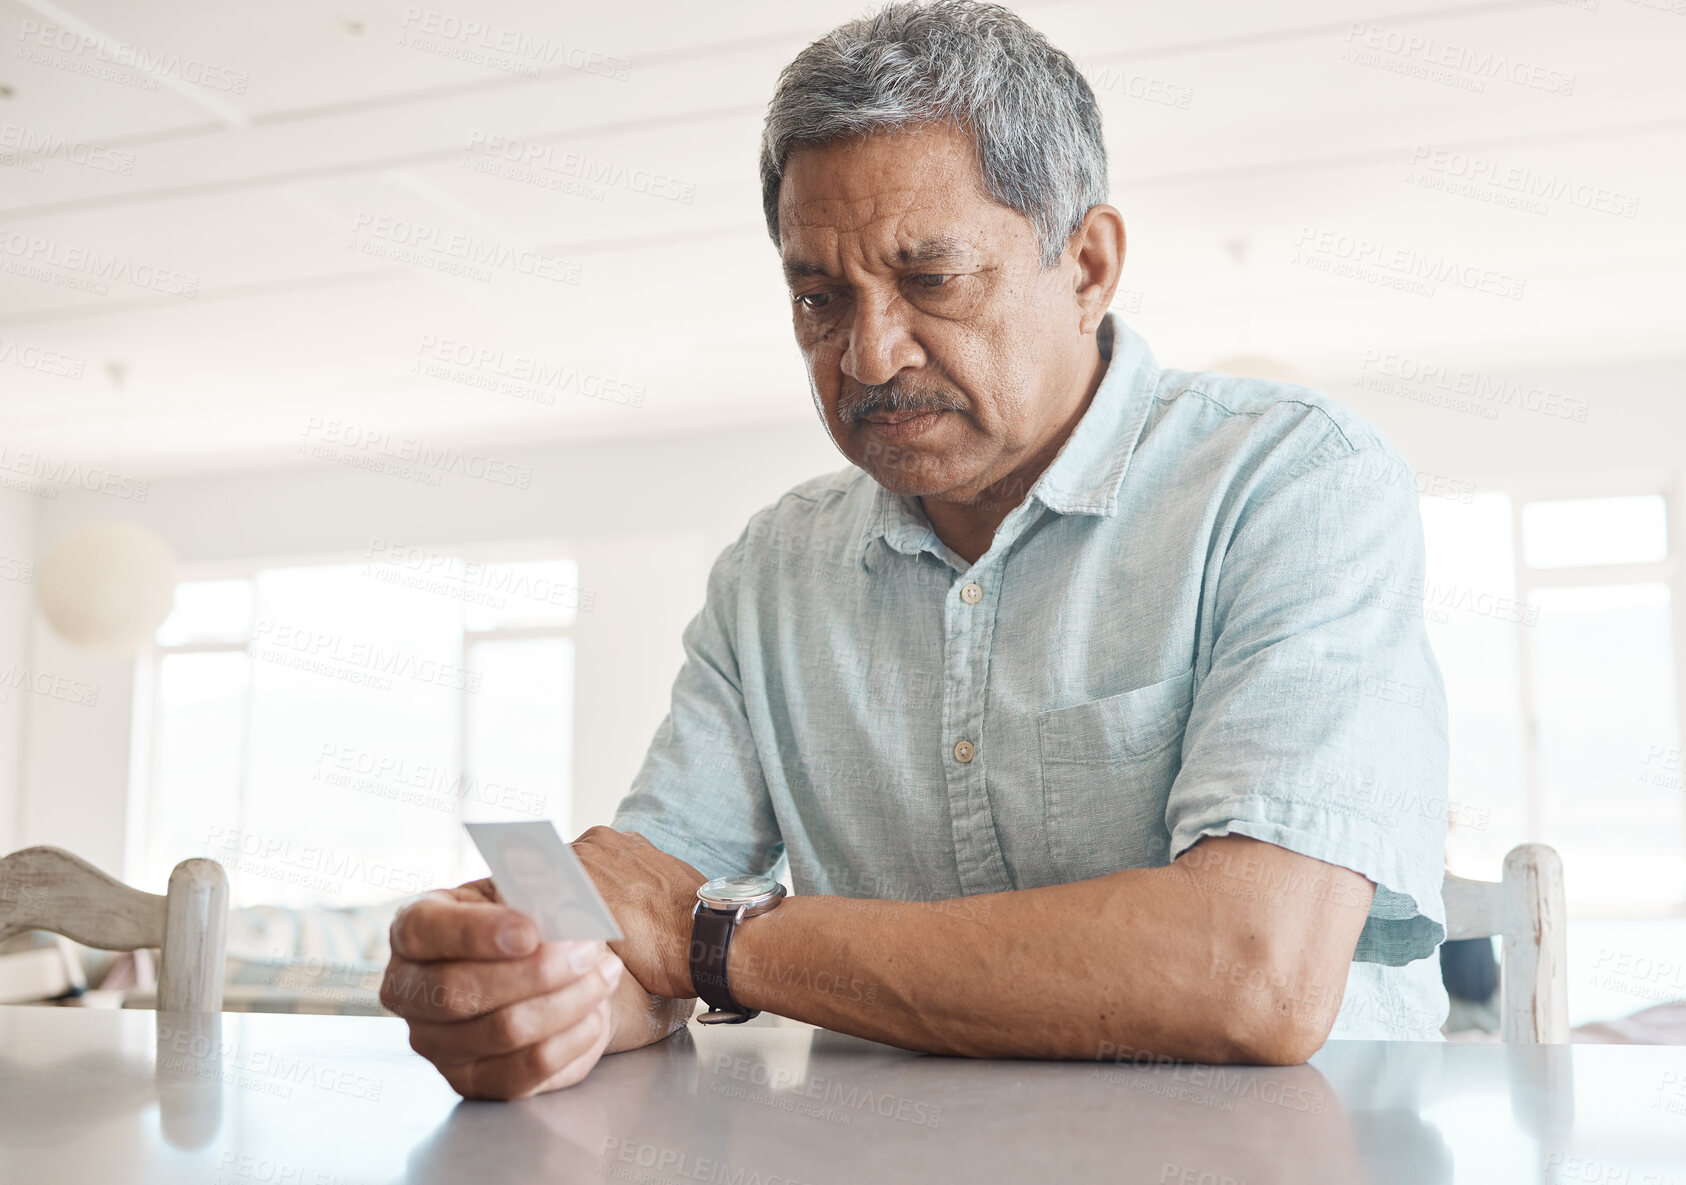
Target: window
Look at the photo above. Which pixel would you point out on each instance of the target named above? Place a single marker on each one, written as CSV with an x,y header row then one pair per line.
x,y
1603,699
1563,688
323,730
1585,531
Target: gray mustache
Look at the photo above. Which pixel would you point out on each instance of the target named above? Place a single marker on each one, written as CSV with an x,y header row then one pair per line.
x,y
888,399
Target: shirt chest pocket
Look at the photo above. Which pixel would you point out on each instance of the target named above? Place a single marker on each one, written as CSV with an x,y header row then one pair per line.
x,y
1107,768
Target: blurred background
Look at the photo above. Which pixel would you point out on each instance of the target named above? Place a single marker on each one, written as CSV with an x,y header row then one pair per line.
x,y
414,363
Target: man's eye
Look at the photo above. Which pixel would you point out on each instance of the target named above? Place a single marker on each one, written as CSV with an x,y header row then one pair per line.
x,y
814,301
926,280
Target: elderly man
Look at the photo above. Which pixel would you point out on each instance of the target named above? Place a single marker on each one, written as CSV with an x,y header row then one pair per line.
x,y
1092,706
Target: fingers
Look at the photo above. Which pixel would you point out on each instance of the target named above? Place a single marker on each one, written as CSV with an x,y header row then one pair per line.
x,y
577,1069
524,1073
516,1026
462,988
442,925
556,1060
480,890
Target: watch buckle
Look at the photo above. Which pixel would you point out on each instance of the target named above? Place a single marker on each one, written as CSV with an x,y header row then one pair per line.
x,y
717,1016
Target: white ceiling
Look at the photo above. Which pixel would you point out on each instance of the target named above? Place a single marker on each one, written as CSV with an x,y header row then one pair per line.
x,y
333,116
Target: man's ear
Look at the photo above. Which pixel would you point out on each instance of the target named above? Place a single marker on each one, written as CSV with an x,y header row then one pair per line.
x,y
1097,246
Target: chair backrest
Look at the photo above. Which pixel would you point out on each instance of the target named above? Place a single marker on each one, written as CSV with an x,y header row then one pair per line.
x,y
1525,910
47,888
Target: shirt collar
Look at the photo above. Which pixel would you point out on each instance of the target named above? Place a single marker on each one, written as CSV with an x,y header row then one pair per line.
x,y
900,522
1085,475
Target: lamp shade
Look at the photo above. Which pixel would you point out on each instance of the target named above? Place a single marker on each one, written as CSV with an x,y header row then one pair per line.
x,y
107,586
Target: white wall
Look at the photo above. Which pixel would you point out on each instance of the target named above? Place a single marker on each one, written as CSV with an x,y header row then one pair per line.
x,y
76,751
17,557
646,588
1635,424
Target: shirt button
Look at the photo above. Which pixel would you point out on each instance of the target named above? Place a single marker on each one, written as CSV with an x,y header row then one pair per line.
x,y
971,594
963,751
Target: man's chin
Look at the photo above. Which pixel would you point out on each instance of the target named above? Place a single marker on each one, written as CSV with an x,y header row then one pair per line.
x,y
938,481
904,484
915,475
915,464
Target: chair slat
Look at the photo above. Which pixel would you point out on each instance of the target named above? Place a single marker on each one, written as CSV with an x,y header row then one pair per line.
x,y
46,888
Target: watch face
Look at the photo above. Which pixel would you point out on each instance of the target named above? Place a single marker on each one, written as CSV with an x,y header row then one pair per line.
x,y
729,892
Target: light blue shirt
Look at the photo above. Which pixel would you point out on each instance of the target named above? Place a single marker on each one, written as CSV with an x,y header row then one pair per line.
x,y
1205,618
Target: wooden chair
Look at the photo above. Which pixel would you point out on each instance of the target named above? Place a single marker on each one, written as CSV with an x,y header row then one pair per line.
x,y
1525,909
45,888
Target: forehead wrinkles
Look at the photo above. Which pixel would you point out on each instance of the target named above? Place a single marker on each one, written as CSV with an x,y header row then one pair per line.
x,y
850,213
866,236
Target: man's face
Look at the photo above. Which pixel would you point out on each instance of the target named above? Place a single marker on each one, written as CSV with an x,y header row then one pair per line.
x,y
938,349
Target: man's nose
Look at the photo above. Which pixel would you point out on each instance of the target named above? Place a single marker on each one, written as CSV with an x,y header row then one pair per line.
x,y
880,345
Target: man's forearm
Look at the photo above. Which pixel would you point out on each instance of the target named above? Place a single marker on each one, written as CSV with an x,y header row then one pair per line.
x,y
1165,961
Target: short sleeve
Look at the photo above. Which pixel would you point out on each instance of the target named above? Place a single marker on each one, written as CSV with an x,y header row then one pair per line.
x,y
1319,719
699,793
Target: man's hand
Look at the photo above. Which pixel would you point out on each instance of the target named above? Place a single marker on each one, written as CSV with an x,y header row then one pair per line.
x,y
500,1014
651,895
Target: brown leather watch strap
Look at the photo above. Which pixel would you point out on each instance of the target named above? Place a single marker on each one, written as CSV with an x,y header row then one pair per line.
x,y
711,944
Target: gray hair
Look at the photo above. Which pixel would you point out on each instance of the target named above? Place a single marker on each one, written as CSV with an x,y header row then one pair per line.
x,y
1028,111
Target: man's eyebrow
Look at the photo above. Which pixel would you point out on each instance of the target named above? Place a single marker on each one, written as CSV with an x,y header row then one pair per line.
x,y
936,250
801,269
928,251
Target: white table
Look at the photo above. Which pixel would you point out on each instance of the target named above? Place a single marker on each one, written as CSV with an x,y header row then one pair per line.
x,y
94,1096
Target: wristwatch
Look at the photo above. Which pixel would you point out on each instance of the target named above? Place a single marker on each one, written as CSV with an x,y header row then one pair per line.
x,y
721,904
